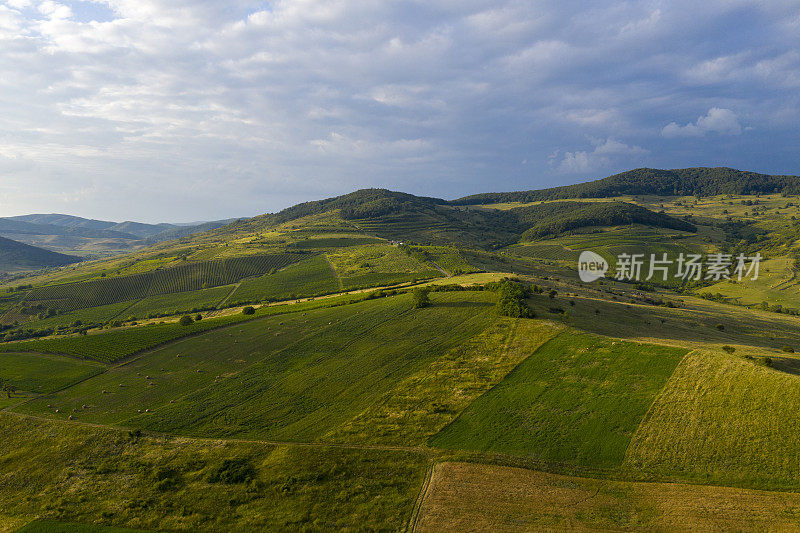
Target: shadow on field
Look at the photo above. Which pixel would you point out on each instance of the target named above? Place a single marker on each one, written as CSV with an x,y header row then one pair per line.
x,y
790,365
462,305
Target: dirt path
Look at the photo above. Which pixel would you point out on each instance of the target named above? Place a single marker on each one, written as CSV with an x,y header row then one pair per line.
x,y
440,269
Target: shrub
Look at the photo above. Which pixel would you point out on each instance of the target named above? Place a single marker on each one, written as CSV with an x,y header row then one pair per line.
x,y
729,349
249,310
788,349
198,318
186,320
720,327
233,471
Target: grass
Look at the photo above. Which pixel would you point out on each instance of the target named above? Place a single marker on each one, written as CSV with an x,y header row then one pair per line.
x,y
311,277
381,279
92,315
376,258
286,377
337,370
477,497
722,419
80,474
52,526
39,373
422,404
692,324
577,400
179,302
776,284
115,344
448,258
187,277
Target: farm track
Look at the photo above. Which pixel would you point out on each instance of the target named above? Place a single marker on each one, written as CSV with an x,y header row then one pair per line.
x,y
417,511
440,269
336,274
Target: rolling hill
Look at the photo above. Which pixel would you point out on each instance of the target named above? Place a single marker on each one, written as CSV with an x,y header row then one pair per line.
x,y
15,256
384,361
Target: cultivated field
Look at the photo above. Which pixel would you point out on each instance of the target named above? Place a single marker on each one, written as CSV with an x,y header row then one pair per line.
x,y
577,400
476,497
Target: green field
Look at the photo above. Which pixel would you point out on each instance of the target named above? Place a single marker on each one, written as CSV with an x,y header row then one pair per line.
x,y
115,344
44,373
51,526
291,377
79,474
176,303
722,419
777,283
91,315
311,277
422,404
187,277
578,399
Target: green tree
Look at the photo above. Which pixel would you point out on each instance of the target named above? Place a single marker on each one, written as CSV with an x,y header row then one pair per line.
x,y
186,320
421,296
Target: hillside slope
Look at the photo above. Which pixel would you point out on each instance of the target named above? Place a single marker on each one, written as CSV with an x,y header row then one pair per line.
x,y
15,256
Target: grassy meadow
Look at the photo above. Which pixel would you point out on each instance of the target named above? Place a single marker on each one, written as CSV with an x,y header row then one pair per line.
x,y
79,474
578,399
722,419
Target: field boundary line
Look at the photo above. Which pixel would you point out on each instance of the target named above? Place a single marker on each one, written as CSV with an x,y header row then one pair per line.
x,y
416,511
657,397
228,297
177,438
135,302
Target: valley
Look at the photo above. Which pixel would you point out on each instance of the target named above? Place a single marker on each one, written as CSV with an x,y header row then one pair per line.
x,y
384,361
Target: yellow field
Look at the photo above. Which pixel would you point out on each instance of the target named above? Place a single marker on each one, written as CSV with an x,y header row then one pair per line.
x,y
12,523
421,405
723,419
475,497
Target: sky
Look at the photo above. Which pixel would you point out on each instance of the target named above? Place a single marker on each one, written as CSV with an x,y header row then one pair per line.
x,y
179,110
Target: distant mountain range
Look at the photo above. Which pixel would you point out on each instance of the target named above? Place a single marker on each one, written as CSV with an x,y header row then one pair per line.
x,y
703,181
89,237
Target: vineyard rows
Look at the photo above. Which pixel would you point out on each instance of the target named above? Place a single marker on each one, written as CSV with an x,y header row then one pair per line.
x,y
189,277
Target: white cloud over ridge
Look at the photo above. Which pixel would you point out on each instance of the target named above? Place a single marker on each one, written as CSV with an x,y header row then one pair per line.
x,y
721,121
156,109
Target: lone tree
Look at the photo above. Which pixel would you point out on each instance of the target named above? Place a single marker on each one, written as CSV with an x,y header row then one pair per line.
x,y
186,320
8,388
421,297
249,310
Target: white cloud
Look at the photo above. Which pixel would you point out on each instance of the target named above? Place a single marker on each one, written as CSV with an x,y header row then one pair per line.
x,y
604,154
721,121
438,97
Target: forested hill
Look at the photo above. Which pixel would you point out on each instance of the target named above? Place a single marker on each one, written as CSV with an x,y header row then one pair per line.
x,y
558,217
365,203
701,181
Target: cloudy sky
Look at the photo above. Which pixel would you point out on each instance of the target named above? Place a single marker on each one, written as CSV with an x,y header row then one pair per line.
x,y
177,110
